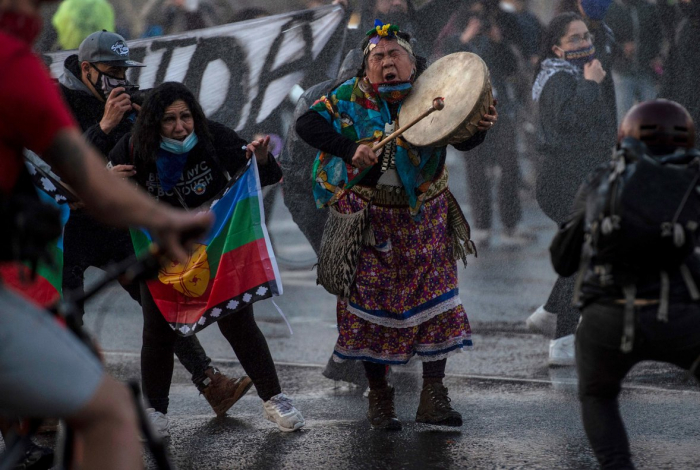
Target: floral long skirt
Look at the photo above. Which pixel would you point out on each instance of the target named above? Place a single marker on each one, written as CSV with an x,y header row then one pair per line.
x,y
405,298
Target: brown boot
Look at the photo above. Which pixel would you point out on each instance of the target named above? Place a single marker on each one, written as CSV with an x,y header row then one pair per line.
x,y
435,407
381,413
222,392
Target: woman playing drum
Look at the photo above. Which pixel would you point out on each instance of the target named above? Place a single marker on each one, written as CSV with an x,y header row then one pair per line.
x,y
403,301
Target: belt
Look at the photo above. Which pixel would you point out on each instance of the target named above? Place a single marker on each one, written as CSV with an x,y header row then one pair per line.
x,y
396,196
638,302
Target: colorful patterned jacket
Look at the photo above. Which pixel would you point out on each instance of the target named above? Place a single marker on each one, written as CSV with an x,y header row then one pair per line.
x,y
357,113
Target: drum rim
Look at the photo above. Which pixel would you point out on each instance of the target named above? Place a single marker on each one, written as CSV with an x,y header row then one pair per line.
x,y
409,135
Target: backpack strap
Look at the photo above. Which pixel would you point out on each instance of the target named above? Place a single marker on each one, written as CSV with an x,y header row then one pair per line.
x,y
662,314
580,275
674,228
690,282
630,291
586,256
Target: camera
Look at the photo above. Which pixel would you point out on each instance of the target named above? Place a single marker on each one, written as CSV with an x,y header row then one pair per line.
x,y
136,95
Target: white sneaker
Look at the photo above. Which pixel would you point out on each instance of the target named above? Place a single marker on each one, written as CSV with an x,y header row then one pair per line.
x,y
159,422
279,410
562,352
543,322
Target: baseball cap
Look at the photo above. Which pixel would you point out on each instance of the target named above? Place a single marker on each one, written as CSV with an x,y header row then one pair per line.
x,y
107,47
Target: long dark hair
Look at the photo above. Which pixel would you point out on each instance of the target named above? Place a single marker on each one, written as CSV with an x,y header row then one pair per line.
x,y
146,133
421,62
552,37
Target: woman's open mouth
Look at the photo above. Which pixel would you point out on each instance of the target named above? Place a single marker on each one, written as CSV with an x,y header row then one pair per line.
x,y
389,77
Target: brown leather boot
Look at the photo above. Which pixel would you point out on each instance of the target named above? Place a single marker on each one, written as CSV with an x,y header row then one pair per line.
x,y
435,407
381,413
222,392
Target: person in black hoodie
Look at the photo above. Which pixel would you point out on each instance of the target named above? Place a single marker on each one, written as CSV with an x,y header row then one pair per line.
x,y
171,139
94,84
575,136
629,312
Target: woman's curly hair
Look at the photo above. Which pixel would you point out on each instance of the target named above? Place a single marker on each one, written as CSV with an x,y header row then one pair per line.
x,y
146,134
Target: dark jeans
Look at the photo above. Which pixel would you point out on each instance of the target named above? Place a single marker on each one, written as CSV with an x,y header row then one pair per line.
x,y
497,150
238,328
88,243
557,207
560,302
602,366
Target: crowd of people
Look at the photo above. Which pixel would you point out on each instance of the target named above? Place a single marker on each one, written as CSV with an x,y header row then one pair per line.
x,y
568,97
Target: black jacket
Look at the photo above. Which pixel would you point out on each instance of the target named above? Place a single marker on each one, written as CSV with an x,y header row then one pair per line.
x,y
88,109
566,249
203,175
574,139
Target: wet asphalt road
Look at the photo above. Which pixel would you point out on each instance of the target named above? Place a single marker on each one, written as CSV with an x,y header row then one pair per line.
x,y
518,413
508,425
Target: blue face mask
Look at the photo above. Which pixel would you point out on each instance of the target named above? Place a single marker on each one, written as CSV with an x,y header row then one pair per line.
x,y
393,92
179,147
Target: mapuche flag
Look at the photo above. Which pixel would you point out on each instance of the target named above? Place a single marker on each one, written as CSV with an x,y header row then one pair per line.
x,y
44,288
232,267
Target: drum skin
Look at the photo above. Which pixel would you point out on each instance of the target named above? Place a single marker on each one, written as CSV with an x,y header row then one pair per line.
x,y
463,80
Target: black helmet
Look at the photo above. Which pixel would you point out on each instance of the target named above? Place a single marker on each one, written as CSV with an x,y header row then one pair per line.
x,y
663,125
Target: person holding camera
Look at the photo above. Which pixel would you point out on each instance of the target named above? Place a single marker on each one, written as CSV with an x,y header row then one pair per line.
x,y
95,86
102,100
45,371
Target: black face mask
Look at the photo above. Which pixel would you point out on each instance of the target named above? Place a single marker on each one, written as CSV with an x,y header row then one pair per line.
x,y
105,83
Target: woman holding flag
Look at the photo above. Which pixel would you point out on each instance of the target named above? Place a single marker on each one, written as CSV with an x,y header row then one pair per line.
x,y
183,159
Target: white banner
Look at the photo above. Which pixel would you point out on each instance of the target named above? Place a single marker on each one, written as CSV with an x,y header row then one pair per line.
x,y
241,72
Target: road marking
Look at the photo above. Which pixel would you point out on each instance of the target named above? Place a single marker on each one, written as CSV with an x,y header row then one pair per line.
x,y
491,378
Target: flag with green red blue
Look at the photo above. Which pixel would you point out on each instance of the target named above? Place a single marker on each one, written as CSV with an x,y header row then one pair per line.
x,y
232,267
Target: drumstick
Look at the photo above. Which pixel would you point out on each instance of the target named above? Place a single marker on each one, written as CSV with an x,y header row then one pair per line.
x,y
438,104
